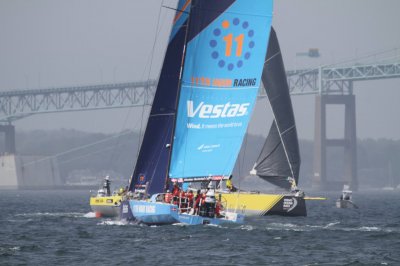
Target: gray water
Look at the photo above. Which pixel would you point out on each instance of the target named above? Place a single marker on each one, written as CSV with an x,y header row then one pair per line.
x,y
57,228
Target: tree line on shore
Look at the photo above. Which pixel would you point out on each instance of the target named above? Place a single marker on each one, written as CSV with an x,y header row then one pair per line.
x,y
97,154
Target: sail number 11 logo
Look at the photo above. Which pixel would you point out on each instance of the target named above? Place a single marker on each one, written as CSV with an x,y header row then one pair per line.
x,y
232,50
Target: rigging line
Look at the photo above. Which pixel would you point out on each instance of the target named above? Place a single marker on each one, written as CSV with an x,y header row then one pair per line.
x,y
352,60
244,151
163,144
77,148
283,144
175,9
148,77
86,155
272,57
357,59
150,59
111,160
210,10
288,129
150,55
178,96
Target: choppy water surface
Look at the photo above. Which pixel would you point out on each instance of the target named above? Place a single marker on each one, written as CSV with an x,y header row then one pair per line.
x,y
57,228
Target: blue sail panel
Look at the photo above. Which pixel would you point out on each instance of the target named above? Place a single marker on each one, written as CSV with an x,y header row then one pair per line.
x,y
226,47
152,163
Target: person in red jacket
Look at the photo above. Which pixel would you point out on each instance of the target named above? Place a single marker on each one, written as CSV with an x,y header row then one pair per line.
x,y
190,196
218,209
200,204
175,193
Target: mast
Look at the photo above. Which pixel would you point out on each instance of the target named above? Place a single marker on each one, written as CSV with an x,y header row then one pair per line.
x,y
177,100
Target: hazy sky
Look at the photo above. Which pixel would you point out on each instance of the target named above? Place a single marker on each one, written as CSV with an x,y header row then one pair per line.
x,y
47,43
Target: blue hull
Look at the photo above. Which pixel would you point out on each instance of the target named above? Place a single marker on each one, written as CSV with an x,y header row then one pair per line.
x,y
154,213
157,213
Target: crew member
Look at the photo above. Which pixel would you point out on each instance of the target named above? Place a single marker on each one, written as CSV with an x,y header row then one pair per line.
x,y
218,209
182,201
175,193
210,202
199,204
107,186
168,197
189,196
229,185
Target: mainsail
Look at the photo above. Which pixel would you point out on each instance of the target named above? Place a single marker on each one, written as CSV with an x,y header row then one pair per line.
x,y
152,163
225,51
279,160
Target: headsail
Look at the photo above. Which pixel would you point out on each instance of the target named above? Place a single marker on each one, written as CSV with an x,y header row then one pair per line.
x,y
225,53
280,156
152,163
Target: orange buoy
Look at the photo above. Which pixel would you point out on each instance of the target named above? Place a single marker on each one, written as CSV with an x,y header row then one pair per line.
x,y
98,214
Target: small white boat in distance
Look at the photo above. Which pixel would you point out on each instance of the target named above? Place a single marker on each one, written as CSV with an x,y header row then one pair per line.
x,y
345,200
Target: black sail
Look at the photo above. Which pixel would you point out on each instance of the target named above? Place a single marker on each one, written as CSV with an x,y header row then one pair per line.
x,y
280,156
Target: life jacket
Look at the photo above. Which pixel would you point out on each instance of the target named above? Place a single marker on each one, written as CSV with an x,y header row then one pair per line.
x,y
199,201
183,197
175,191
202,199
189,197
218,208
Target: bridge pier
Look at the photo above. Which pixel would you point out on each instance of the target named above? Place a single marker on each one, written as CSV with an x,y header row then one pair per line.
x,y
9,136
322,143
23,171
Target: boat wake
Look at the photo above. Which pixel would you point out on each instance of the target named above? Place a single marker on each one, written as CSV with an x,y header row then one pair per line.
x,y
333,226
286,227
90,215
247,227
9,251
52,214
113,222
180,224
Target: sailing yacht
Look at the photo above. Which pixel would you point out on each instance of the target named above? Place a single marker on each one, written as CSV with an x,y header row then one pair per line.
x,y
205,96
279,160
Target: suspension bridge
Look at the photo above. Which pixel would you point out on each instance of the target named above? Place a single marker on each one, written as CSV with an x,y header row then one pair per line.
x,y
329,84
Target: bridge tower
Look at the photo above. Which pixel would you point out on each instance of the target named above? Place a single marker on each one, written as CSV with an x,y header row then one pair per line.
x,y
322,143
334,86
9,138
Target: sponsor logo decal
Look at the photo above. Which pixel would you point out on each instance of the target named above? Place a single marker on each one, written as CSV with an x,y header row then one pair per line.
x,y
144,209
208,148
125,208
223,82
232,43
289,204
227,110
